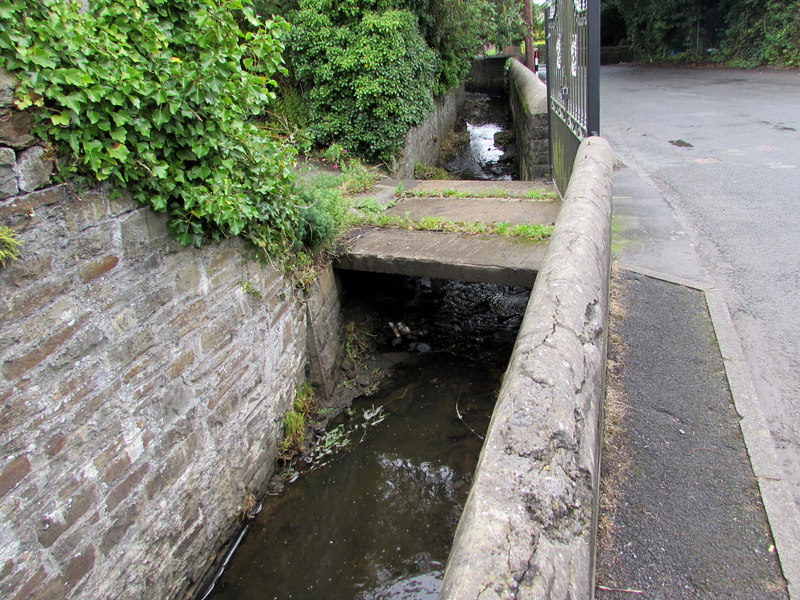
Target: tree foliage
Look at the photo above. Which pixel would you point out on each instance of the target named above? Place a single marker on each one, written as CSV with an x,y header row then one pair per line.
x,y
744,32
368,73
158,96
763,32
370,69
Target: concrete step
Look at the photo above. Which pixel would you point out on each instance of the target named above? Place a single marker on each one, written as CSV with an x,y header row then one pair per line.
x,y
500,189
461,257
487,210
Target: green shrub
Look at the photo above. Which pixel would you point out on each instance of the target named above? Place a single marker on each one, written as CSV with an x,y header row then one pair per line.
x,y
422,171
158,96
454,30
368,72
762,32
323,212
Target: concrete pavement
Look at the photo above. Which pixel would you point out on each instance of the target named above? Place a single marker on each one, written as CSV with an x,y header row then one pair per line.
x,y
684,513
461,256
708,193
721,147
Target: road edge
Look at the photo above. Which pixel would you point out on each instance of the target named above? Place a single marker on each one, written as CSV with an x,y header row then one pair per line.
x,y
781,511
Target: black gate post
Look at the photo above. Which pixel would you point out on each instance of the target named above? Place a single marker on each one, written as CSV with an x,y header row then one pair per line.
x,y
593,67
573,80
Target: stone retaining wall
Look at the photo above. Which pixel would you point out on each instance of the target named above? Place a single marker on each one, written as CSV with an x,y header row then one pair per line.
x,y
488,74
528,96
422,143
142,387
528,527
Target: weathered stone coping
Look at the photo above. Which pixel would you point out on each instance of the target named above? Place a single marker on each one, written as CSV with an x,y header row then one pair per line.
x,y
529,524
528,100
532,90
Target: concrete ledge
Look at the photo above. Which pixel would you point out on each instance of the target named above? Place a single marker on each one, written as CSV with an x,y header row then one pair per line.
x,y
532,90
460,257
528,527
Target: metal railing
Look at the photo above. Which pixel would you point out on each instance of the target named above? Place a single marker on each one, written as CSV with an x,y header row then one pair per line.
x,y
573,79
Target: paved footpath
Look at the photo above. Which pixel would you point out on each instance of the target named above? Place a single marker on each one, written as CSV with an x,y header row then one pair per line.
x,y
682,509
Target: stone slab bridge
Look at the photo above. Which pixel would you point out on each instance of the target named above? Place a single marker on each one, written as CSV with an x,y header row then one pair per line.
x,y
459,256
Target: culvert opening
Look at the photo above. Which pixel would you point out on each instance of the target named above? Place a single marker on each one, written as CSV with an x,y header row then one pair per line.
x,y
375,518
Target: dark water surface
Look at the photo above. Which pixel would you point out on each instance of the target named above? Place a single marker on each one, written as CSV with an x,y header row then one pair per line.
x,y
377,522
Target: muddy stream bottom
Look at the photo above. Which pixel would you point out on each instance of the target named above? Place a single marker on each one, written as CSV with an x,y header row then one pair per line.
x,y
375,518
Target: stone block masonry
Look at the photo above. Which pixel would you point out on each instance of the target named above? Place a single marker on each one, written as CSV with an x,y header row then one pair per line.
x,y
142,393
422,143
142,388
487,74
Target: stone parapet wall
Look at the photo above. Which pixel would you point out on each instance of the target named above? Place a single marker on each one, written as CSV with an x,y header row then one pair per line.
x,y
142,389
325,333
488,74
528,527
528,97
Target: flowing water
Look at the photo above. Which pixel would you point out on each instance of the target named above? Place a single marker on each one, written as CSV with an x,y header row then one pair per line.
x,y
482,145
376,522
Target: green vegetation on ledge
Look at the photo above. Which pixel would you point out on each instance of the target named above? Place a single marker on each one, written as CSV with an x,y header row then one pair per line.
x,y
160,97
9,245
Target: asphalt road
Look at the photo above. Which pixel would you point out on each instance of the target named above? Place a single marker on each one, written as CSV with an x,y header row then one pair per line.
x,y
716,153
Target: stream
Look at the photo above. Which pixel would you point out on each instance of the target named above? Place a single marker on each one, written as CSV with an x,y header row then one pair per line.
x,y
374,519
482,144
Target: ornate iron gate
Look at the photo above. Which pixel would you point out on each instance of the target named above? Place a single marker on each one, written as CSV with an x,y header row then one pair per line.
x,y
573,80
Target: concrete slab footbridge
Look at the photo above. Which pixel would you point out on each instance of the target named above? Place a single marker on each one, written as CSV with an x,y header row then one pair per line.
x,y
468,254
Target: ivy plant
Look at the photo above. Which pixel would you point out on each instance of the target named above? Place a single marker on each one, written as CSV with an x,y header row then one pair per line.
x,y
368,72
160,97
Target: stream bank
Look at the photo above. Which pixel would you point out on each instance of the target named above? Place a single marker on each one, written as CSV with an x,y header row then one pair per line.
x,y
482,144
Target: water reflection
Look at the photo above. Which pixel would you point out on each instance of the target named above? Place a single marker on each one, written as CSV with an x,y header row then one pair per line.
x,y
378,522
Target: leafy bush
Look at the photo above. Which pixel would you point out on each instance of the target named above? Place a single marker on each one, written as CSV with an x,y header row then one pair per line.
x,y
748,32
323,212
454,30
158,96
763,33
368,72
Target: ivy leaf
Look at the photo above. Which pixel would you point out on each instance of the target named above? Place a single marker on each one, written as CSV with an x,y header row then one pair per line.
x,y
76,77
160,116
60,119
159,203
73,101
119,135
119,151
96,92
41,58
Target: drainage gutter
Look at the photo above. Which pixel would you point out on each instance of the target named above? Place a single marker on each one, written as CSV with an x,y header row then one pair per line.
x,y
528,527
